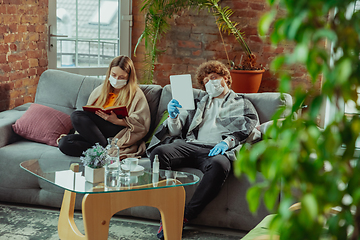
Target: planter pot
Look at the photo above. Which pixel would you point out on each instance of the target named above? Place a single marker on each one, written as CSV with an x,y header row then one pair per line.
x,y
246,81
94,175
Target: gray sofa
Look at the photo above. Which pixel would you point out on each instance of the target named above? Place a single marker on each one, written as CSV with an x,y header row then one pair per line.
x,y
67,92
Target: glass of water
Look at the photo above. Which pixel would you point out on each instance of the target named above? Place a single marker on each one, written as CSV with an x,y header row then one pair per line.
x,y
124,171
112,166
111,178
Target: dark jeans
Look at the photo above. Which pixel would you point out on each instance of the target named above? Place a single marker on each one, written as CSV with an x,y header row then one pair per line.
x,y
91,128
215,169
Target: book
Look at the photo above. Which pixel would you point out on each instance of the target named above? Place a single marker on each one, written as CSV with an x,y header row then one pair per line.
x,y
118,110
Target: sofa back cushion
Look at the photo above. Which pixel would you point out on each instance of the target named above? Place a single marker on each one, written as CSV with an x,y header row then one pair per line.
x,y
88,85
64,91
152,94
266,104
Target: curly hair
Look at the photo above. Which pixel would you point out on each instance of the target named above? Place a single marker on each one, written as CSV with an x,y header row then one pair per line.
x,y
212,66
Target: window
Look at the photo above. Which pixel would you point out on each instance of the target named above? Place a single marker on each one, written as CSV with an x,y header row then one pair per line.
x,y
108,10
84,35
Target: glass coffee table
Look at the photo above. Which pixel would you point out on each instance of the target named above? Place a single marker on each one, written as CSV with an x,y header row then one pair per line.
x,y
164,191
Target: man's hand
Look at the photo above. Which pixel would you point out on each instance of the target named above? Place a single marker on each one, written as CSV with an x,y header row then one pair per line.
x,y
221,147
173,110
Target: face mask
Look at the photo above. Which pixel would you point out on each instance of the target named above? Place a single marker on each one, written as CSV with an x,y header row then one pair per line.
x,y
117,83
214,88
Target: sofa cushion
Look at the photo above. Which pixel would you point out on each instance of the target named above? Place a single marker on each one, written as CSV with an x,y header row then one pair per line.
x,y
152,93
59,90
88,85
164,117
42,124
267,103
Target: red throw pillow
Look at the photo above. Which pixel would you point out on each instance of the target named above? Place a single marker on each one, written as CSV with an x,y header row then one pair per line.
x,y
42,124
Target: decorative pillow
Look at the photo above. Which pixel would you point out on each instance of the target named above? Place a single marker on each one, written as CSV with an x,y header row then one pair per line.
x,y
42,124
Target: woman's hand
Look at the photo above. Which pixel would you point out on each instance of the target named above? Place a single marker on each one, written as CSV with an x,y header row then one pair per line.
x,y
111,118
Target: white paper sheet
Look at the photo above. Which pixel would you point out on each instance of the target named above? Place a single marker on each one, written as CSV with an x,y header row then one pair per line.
x,y
182,91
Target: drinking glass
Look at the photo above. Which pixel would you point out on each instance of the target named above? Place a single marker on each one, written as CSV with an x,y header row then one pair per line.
x,y
124,171
112,165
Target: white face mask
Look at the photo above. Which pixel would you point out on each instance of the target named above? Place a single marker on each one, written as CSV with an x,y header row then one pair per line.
x,y
214,88
117,83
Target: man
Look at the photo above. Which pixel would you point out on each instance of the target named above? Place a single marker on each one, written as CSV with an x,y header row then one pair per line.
x,y
205,138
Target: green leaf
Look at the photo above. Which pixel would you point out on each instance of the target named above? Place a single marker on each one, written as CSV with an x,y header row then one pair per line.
x,y
138,42
315,107
271,198
326,34
277,63
310,206
356,196
312,63
272,2
343,70
284,207
265,22
300,53
294,24
285,83
278,33
253,198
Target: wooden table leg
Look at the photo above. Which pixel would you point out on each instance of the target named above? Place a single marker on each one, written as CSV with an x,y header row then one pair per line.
x,y
66,227
99,208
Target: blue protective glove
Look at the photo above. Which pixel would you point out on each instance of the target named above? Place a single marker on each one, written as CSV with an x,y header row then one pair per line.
x,y
173,110
221,147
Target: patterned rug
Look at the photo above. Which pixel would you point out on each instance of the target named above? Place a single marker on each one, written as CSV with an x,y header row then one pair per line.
x,y
32,223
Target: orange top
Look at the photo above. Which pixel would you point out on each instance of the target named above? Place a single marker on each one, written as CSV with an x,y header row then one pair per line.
x,y
111,100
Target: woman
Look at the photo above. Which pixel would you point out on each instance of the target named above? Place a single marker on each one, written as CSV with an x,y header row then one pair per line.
x,y
119,88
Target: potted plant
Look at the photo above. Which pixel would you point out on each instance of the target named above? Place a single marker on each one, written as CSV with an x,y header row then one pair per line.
x,y
246,76
94,159
156,25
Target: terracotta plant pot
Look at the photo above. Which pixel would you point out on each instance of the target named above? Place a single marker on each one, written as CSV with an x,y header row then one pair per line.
x,y
246,81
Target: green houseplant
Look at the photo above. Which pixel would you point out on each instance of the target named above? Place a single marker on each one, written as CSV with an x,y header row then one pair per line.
x,y
316,166
157,14
156,25
246,76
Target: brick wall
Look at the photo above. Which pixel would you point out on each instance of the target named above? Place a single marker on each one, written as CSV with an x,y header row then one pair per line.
x,y
194,38
23,56
138,27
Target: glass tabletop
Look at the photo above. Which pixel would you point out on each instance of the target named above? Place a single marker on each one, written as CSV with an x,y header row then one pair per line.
x,y
143,180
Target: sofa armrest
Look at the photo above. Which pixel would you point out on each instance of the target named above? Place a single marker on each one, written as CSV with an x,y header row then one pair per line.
x,y
8,118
